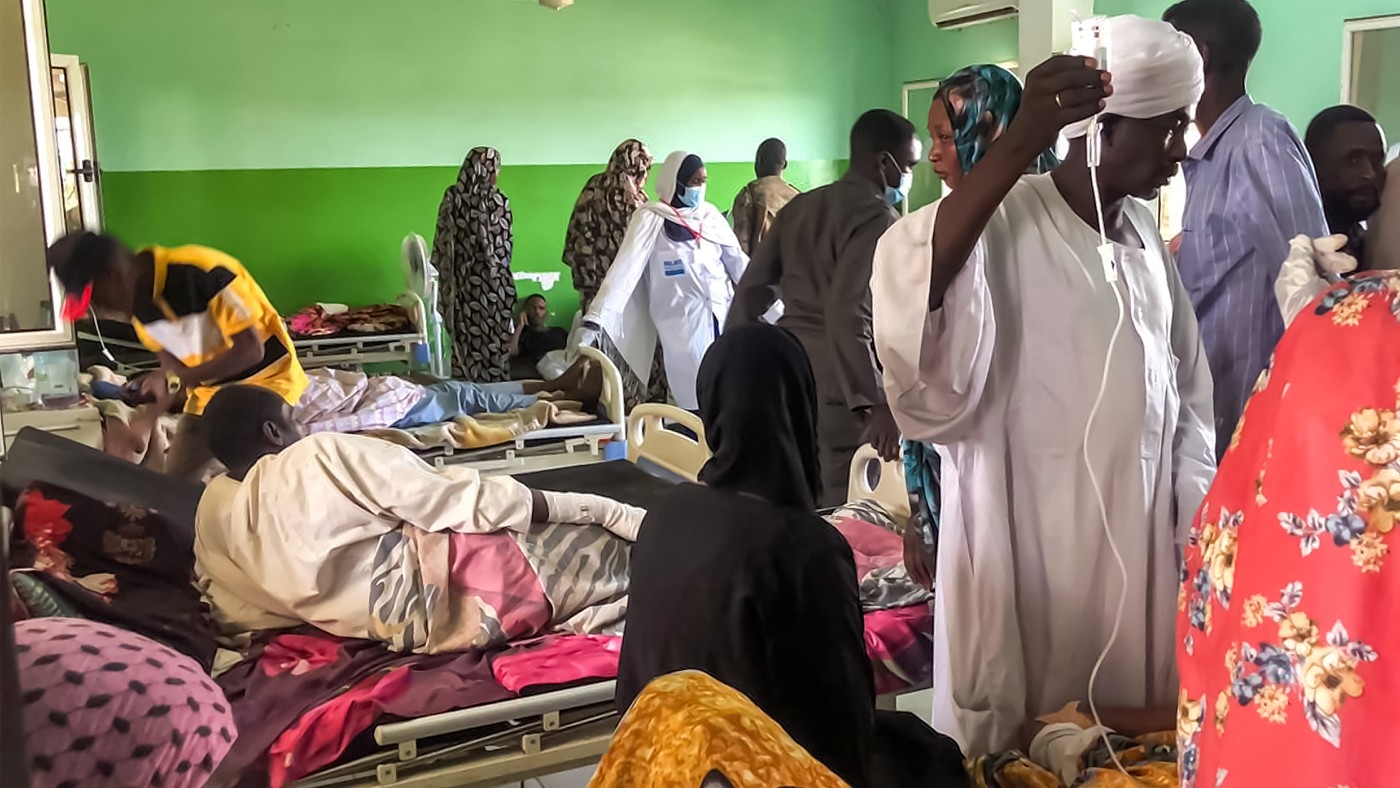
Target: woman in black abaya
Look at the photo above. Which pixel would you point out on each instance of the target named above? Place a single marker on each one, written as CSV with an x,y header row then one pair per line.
x,y
739,578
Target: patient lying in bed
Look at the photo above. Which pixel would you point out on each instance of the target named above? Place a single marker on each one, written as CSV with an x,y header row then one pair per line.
x,y
341,401
362,539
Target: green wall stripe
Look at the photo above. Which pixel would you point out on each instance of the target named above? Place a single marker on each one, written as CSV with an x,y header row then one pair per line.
x,y
263,84
334,234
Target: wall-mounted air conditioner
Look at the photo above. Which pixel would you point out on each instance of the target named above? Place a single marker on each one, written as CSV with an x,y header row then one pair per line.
x,y
953,14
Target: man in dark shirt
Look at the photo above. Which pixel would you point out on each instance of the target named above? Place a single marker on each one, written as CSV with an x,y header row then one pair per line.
x,y
817,259
532,337
1348,150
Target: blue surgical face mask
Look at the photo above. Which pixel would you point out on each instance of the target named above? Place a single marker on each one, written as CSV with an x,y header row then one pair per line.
x,y
894,195
693,196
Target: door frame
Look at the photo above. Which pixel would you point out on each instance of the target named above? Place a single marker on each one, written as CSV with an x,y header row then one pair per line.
x,y
905,89
36,42
1351,30
84,136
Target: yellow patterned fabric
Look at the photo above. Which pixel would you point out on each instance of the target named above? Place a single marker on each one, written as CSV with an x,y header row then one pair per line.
x,y
1150,761
687,730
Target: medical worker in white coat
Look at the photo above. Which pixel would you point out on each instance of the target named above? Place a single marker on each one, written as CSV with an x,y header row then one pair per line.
x,y
673,280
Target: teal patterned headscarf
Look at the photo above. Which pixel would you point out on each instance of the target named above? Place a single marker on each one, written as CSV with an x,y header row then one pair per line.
x,y
980,101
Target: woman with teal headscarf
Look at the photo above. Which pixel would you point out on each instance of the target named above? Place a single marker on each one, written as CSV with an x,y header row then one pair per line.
x,y
970,111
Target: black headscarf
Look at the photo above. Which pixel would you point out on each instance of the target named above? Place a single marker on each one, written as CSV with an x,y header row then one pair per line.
x,y
689,166
758,400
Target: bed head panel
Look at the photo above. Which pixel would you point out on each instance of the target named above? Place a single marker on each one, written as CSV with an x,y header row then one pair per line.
x,y
648,438
612,398
872,479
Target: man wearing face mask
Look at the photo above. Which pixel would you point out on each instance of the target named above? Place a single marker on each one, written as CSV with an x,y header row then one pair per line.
x,y
817,259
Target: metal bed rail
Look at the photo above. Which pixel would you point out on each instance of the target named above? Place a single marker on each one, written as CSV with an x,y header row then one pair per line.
x,y
508,741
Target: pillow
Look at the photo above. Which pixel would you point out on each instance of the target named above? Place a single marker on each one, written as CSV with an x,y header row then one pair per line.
x,y
122,564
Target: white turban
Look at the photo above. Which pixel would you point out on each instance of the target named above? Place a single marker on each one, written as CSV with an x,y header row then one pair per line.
x,y
1156,69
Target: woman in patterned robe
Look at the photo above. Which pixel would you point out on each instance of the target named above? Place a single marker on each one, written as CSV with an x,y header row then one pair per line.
x,y
472,248
1287,635
596,229
601,214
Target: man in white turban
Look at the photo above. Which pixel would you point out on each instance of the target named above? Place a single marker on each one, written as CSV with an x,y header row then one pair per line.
x,y
1061,374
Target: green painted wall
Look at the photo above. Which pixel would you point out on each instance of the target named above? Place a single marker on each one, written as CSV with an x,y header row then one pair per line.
x,y
308,136
922,52
1299,68
1298,71
334,234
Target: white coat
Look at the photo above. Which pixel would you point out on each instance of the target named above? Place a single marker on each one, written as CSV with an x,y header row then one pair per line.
x,y
675,292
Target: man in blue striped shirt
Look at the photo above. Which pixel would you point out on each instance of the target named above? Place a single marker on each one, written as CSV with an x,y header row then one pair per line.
x,y
1250,188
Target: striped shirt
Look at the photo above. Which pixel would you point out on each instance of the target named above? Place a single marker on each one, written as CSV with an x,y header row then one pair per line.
x,y
1250,189
341,401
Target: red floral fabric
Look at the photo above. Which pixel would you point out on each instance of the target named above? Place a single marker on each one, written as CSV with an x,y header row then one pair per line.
x,y
1287,643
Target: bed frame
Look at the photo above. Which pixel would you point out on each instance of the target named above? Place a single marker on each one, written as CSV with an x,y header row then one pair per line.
x,y
649,440
553,447
358,350
873,479
497,744
354,351
519,739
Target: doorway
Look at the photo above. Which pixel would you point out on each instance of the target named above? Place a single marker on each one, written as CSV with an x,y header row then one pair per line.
x,y
1371,70
918,99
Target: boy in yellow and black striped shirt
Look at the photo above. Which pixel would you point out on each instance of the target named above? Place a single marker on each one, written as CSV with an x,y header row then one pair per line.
x,y
198,309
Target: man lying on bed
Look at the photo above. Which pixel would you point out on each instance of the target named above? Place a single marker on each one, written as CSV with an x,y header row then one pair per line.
x,y
362,539
341,401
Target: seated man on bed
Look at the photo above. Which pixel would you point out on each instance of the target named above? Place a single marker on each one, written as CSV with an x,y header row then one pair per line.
x,y
359,537
341,401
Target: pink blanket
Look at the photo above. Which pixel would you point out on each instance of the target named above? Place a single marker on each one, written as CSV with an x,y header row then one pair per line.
x,y
899,641
523,591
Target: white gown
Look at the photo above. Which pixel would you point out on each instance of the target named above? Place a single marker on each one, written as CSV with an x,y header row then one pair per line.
x,y
1003,377
677,292
690,286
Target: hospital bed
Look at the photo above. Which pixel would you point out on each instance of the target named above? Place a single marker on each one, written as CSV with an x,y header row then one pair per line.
x,y
557,729
404,349
552,447
651,440
522,738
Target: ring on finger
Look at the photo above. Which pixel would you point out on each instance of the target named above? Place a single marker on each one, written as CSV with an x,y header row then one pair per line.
x,y
1059,101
